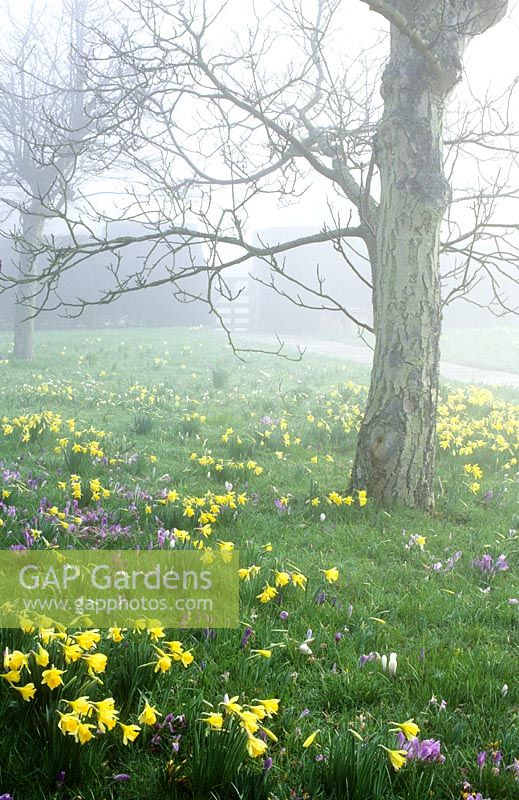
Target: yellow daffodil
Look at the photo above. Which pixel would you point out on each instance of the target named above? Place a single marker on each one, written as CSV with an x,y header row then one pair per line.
x,y
298,579
186,658
261,653
27,692
87,639
164,663
249,721
81,706
41,657
268,593
281,578
96,662
149,714
16,660
244,574
107,719
106,714
116,634
230,704
310,739
175,647
409,728
331,574
271,706
52,677
13,676
156,633
72,652
68,723
213,719
226,547
50,634
130,732
83,733
272,736
255,747
397,758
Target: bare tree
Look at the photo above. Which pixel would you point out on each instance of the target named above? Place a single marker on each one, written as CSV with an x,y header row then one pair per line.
x,y
208,129
44,133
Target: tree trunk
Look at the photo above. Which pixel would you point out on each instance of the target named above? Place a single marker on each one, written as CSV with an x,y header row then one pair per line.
x,y
23,330
24,308
395,450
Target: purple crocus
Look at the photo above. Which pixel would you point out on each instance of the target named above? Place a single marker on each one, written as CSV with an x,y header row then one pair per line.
x,y
247,633
421,750
501,563
453,560
515,767
485,563
60,778
365,658
429,750
320,597
487,566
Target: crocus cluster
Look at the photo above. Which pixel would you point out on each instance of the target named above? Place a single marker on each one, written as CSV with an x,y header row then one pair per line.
x,y
421,749
169,731
388,664
487,566
494,759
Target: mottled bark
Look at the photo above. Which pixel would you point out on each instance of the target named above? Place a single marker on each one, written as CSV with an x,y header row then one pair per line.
x,y
395,452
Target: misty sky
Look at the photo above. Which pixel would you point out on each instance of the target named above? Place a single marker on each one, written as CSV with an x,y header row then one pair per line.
x,y
491,59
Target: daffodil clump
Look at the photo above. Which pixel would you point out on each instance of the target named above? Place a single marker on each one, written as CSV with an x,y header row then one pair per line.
x,y
251,718
61,661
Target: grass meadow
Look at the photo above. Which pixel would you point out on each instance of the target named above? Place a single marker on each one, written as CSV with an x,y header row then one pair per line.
x,y
354,620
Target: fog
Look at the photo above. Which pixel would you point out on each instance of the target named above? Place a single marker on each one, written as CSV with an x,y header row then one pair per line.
x,y
116,195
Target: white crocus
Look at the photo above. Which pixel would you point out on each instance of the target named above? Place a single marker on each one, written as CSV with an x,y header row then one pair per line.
x,y
305,649
392,664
